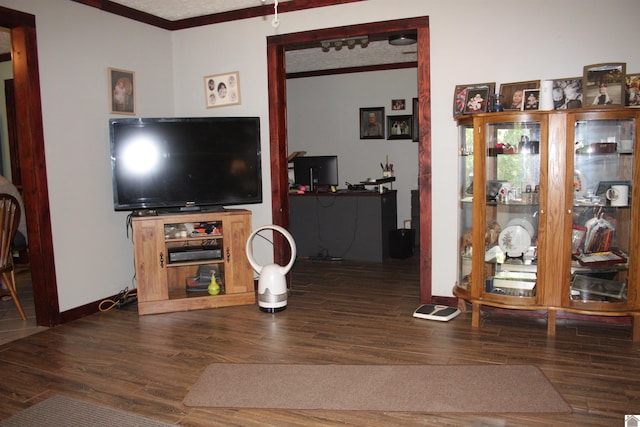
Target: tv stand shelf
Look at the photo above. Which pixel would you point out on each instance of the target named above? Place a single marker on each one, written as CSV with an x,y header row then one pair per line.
x,y
161,283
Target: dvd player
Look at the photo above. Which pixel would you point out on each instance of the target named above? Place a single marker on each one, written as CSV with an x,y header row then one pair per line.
x,y
194,253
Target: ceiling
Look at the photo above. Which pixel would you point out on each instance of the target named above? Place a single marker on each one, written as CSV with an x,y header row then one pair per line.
x,y
176,14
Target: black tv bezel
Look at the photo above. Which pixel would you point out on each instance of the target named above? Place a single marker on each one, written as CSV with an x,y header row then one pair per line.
x,y
181,205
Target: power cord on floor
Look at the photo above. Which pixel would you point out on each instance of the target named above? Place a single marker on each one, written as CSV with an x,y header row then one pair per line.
x,y
125,297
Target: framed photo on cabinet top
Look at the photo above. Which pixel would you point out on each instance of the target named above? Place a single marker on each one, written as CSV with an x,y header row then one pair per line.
x,y
476,100
632,91
567,93
513,93
460,95
531,99
122,91
604,85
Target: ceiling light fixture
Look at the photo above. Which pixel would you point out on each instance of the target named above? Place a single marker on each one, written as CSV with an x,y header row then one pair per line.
x,y
403,39
350,42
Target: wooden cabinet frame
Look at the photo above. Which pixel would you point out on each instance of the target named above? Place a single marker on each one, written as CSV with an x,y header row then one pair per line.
x,y
556,210
161,284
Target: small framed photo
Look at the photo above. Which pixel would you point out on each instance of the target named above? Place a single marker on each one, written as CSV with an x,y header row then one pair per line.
x,y
476,100
460,95
604,84
122,92
399,127
398,104
222,89
531,99
513,93
567,93
632,91
372,123
415,130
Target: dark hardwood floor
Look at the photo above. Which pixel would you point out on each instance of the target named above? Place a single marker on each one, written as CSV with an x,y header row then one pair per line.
x,y
338,312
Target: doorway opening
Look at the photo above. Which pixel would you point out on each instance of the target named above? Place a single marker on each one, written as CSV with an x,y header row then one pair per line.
x,y
276,48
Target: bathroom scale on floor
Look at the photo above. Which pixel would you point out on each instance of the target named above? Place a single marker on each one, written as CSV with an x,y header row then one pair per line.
x,y
442,313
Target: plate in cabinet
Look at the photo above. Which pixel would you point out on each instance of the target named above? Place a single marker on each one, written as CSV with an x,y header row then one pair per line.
x,y
514,241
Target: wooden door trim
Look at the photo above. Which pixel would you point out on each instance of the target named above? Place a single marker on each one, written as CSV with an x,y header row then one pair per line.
x,y
32,163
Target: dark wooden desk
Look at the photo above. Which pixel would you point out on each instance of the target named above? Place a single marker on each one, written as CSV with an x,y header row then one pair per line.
x,y
347,225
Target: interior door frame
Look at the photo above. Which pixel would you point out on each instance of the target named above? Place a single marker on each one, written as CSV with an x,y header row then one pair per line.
x,y
276,47
30,134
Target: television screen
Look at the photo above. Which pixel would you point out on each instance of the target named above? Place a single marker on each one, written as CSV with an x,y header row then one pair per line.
x,y
185,163
316,171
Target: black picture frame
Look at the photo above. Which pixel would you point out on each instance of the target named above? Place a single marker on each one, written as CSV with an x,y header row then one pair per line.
x,y
399,127
368,129
460,95
415,130
531,100
476,101
604,85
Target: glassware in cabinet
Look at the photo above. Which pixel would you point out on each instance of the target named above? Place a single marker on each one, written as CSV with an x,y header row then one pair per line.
x,y
601,227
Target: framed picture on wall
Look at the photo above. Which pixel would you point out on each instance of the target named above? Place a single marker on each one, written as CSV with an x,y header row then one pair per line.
x,y
398,104
460,95
632,88
415,131
513,93
372,123
604,84
399,127
121,92
222,89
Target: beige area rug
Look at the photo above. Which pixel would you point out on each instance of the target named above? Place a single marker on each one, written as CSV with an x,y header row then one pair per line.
x,y
406,388
62,411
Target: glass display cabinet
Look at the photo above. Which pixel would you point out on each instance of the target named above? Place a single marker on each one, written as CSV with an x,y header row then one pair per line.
x,y
546,213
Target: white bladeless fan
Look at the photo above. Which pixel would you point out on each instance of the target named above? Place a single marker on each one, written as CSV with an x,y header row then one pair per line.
x,y
272,284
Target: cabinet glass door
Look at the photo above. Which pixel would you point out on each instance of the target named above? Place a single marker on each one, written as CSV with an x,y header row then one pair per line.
x,y
603,173
465,214
512,197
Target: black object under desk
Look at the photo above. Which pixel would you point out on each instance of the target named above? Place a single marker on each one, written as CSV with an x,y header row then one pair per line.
x,y
347,225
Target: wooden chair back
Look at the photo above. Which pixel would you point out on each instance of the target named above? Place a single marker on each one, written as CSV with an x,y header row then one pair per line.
x,y
9,220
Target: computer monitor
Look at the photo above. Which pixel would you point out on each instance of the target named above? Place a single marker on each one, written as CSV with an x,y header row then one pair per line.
x,y
316,171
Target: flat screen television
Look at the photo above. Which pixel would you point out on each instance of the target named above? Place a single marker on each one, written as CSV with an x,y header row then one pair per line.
x,y
316,171
185,164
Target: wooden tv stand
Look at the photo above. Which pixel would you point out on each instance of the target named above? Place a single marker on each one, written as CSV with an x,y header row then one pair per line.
x,y
161,280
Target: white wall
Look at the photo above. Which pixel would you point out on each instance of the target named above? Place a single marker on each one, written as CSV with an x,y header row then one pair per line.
x,y
76,46
323,118
471,41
